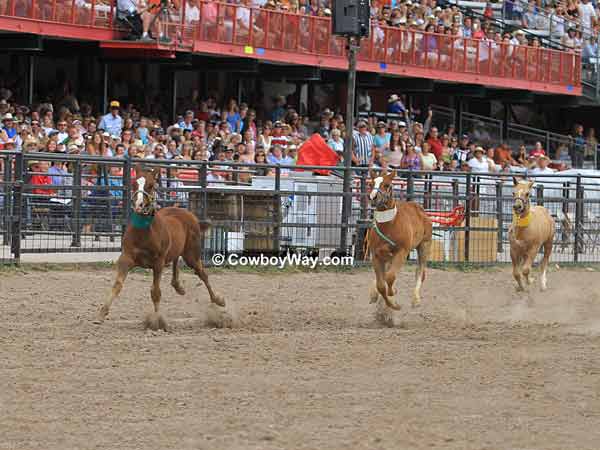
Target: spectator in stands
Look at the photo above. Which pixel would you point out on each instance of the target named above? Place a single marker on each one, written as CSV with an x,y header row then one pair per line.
x,y
591,144
363,144
232,116
479,163
39,178
579,147
538,150
590,50
562,153
278,110
60,177
435,143
569,40
279,138
382,138
521,156
112,122
428,159
276,155
503,156
186,123
336,142
8,133
461,154
587,15
529,19
395,105
411,160
541,167
489,157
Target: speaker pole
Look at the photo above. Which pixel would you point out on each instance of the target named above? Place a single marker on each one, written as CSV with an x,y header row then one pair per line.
x,y
352,47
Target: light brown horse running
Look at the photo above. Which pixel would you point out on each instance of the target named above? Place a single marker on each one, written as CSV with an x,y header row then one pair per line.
x,y
531,228
155,239
398,228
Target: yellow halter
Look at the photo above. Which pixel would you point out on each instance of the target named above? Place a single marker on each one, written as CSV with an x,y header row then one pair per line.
x,y
521,222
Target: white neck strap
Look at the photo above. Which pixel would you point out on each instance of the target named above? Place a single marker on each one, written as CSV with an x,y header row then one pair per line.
x,y
385,216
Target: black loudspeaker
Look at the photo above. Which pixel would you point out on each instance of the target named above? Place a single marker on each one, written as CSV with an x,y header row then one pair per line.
x,y
351,17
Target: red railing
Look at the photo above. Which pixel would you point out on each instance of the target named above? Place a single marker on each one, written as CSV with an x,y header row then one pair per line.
x,y
208,26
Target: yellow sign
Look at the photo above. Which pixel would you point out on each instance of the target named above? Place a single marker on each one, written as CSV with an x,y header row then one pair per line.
x,y
248,50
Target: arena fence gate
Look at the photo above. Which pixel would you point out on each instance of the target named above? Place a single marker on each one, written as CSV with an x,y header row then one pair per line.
x,y
276,210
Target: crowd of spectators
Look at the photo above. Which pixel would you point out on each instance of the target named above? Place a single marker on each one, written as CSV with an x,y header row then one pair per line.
x,y
574,23
233,133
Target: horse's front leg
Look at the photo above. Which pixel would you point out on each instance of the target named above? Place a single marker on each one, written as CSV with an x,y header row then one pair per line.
x,y
124,265
154,320
516,266
528,263
397,262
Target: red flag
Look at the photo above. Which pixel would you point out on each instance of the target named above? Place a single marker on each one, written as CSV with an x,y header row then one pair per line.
x,y
316,152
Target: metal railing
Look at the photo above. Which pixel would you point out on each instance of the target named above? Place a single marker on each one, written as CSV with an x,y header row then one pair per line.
x,y
256,31
276,209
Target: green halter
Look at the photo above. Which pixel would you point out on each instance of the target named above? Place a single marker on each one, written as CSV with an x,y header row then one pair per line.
x,y
141,222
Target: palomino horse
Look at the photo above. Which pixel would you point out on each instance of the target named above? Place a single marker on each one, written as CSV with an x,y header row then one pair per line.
x,y
398,228
155,239
532,227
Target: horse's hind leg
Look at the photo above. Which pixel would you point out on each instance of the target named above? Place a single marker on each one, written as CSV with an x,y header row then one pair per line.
x,y
195,264
175,280
544,265
124,265
423,251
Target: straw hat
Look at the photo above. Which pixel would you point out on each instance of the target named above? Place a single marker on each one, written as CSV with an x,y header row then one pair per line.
x,y
478,149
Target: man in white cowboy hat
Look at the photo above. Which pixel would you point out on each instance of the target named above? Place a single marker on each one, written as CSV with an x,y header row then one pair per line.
x,y
395,105
541,167
8,126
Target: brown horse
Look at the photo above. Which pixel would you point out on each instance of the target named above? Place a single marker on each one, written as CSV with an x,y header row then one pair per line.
x,y
155,239
398,228
531,228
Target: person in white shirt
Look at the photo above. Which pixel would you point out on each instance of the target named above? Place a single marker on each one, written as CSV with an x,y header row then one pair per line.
x,y
541,167
336,142
587,15
478,163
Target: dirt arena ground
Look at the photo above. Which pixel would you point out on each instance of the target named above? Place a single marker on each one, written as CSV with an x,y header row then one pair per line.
x,y
476,367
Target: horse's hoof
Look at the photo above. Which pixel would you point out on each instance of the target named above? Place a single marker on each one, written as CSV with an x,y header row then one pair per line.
x,y
155,322
102,314
218,300
179,289
373,295
383,314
